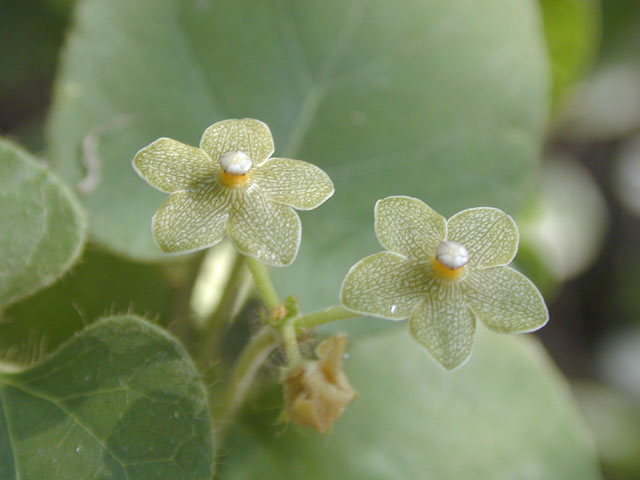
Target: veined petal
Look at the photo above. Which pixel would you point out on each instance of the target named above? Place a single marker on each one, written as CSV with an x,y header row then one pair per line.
x,y
247,135
170,165
407,226
489,235
265,230
505,300
192,220
293,182
444,325
386,285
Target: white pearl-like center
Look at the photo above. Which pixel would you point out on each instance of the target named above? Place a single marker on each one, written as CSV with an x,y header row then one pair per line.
x,y
236,163
452,254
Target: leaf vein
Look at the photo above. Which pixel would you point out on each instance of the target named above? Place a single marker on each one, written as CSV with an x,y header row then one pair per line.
x,y
317,91
12,441
198,69
55,402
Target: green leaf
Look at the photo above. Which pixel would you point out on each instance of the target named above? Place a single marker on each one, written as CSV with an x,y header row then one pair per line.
x,y
614,418
39,324
607,105
572,30
566,225
442,100
620,30
121,400
43,227
505,415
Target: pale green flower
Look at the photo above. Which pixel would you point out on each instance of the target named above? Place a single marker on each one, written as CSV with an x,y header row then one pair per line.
x,y
443,276
230,185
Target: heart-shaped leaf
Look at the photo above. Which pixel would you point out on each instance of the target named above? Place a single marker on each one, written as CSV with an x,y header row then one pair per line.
x,y
39,324
443,100
43,226
505,415
121,400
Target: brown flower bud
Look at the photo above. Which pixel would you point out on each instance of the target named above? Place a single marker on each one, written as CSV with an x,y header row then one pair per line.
x,y
316,393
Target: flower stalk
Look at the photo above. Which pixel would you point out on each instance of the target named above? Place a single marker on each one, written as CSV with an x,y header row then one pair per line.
x,y
246,367
263,283
290,338
322,317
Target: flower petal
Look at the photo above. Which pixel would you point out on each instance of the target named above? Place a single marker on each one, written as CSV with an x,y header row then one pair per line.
x,y
444,325
386,285
489,235
267,231
250,136
293,182
170,165
505,300
189,221
407,226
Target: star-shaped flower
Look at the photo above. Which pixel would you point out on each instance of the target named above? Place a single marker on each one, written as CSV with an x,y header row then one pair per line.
x,y
443,276
230,185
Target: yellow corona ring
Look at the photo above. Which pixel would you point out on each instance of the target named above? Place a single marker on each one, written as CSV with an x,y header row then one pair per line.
x,y
450,259
235,167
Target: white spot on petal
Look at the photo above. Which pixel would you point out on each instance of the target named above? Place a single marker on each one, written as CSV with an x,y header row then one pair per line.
x,y
452,254
236,163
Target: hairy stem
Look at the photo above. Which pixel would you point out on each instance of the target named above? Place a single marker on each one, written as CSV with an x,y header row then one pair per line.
x,y
263,283
331,314
290,339
183,277
249,362
261,345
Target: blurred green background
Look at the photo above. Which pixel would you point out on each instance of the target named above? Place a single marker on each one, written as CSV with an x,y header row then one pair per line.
x,y
580,230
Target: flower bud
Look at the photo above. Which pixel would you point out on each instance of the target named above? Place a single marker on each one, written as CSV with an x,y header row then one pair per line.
x,y
316,393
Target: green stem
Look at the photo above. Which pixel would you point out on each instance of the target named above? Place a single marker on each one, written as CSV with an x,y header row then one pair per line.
x,y
290,339
184,277
256,352
263,283
293,326
246,367
217,322
331,314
